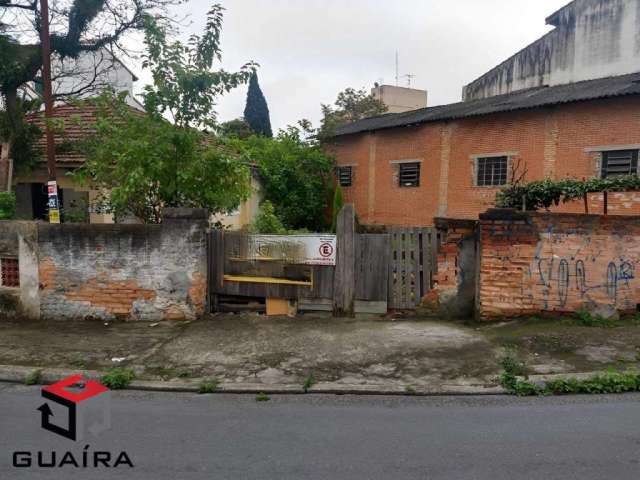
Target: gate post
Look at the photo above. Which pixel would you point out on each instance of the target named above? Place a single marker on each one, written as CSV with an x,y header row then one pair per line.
x,y
344,283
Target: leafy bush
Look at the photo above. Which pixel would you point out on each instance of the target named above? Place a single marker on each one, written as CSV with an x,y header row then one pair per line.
x,y
266,222
7,206
547,192
34,378
117,378
208,386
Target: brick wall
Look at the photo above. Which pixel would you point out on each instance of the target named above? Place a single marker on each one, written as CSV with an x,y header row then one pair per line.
x,y
556,142
556,263
128,272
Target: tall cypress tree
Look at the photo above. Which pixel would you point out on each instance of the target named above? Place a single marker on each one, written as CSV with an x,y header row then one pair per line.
x,y
256,112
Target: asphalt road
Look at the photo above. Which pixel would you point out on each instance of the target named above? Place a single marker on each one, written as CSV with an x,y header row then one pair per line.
x,y
185,436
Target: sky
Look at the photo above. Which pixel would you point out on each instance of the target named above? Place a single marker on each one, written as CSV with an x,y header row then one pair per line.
x,y
309,50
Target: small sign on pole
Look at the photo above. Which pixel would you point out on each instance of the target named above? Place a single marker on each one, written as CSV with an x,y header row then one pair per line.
x,y
54,204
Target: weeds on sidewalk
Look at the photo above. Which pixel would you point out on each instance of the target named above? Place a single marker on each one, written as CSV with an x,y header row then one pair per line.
x,y
117,378
308,382
587,319
208,386
34,378
262,397
608,382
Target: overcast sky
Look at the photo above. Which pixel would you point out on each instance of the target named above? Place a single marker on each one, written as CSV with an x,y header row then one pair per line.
x,y
309,50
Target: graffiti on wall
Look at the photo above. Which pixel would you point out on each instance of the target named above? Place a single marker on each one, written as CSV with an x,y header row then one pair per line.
x,y
575,270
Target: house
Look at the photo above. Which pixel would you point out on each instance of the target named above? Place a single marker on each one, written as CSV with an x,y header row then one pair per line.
x,y
567,105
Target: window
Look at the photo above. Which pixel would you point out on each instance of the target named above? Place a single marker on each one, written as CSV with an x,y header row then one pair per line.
x,y
345,176
619,162
9,272
492,171
409,174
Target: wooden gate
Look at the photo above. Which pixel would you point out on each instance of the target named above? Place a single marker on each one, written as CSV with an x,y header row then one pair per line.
x,y
413,264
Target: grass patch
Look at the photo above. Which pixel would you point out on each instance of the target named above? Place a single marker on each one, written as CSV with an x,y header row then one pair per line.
x,y
208,386
262,397
587,319
78,361
410,390
309,382
117,378
34,378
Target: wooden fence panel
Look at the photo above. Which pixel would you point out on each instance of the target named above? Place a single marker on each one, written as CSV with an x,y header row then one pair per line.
x,y
412,265
372,267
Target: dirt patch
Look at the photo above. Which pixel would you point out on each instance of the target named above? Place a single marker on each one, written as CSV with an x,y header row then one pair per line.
x,y
562,345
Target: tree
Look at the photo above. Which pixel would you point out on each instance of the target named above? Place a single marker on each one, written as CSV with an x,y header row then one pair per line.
x,y
296,178
350,106
256,111
144,163
185,85
237,128
78,26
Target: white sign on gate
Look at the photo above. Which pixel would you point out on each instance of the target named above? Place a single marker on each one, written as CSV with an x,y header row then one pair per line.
x,y
300,249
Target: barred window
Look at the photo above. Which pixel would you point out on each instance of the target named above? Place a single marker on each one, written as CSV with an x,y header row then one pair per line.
x,y
410,174
345,176
9,272
619,162
492,171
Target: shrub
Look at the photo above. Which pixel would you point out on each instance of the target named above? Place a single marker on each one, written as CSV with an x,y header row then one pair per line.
x,y
117,378
208,386
267,222
34,378
7,206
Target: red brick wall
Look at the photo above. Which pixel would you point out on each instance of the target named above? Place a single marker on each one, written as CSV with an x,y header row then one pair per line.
x,y
551,142
533,263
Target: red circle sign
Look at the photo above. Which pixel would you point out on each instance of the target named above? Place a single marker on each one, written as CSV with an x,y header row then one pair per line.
x,y
326,250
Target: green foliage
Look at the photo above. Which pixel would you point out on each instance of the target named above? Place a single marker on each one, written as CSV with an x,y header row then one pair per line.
x,y
34,378
338,203
266,222
21,135
237,128
145,163
546,193
296,178
608,382
410,390
350,106
309,382
185,85
262,397
117,378
208,386
7,206
256,111
587,319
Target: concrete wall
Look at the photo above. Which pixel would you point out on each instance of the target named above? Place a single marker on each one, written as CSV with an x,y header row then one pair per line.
x,y
400,99
128,272
592,39
557,142
18,240
557,263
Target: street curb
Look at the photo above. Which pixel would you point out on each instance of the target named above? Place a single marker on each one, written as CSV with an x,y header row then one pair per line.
x,y
18,374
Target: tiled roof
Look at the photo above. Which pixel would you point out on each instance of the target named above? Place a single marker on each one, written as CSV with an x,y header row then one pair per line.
x,y
520,100
78,122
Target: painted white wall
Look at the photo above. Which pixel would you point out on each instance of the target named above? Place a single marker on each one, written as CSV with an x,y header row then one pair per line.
x,y
592,39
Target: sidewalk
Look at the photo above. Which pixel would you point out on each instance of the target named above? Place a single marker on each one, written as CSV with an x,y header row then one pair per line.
x,y
252,353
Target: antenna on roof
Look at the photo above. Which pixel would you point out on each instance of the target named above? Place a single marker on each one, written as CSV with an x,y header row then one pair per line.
x,y
409,76
397,76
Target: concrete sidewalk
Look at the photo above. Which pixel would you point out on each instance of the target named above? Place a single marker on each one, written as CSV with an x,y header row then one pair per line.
x,y
248,352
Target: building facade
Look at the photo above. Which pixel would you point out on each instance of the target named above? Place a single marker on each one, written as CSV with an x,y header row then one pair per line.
x,y
450,161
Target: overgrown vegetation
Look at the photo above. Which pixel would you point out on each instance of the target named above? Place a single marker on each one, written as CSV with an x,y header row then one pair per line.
x,y
587,319
546,193
309,382
208,386
117,378
7,206
262,397
607,382
267,222
34,378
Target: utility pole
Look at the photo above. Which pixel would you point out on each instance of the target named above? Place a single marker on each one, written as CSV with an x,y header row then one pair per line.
x,y
45,40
